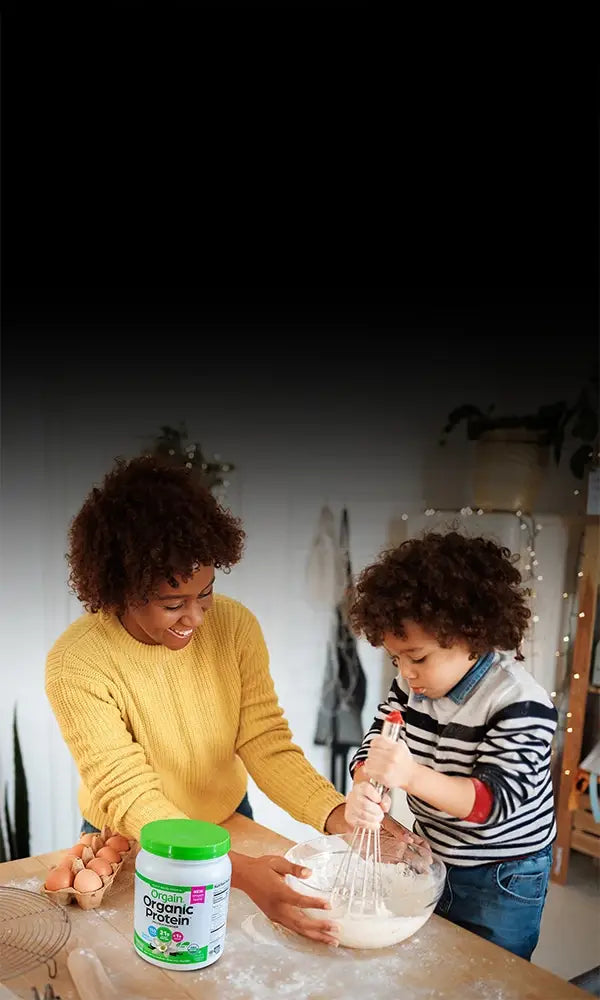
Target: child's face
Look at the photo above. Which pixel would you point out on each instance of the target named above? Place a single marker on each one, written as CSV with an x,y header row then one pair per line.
x,y
429,668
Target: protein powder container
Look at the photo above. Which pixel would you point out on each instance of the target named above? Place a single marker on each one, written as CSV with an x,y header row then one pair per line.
x,y
182,883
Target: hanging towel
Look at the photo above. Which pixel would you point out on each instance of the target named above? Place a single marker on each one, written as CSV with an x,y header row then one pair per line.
x,y
325,572
339,721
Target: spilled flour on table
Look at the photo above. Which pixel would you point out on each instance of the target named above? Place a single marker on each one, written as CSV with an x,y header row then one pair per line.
x,y
483,989
263,961
30,884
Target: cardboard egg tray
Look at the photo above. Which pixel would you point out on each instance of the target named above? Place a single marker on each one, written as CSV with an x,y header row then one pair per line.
x,y
88,900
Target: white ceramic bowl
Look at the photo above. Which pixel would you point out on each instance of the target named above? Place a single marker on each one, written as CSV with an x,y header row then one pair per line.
x,y
410,887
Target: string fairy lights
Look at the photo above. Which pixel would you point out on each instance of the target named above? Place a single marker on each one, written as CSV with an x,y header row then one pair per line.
x,y
532,572
533,575
172,444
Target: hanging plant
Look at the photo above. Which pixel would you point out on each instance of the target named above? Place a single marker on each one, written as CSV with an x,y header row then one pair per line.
x,y
172,444
550,423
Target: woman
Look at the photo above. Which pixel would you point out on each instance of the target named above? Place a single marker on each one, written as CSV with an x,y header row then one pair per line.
x,y
162,689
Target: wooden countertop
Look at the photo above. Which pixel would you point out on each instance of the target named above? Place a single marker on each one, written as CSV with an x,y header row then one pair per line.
x,y
263,961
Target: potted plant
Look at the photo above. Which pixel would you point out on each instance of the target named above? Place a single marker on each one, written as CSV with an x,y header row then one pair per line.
x,y
513,449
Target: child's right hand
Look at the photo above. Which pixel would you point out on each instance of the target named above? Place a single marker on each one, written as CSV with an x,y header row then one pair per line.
x,y
365,806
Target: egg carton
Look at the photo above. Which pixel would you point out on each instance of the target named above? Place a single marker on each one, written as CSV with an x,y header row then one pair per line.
x,y
88,900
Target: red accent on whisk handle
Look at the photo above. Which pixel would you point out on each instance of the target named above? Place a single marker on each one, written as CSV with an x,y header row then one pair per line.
x,y
394,716
391,726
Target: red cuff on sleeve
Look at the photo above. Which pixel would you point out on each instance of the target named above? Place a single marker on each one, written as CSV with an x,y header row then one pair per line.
x,y
484,801
359,763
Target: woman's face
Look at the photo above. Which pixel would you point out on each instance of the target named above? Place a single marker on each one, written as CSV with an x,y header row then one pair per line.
x,y
173,613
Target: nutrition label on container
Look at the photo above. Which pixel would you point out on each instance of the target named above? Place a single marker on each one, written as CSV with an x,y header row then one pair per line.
x,y
180,925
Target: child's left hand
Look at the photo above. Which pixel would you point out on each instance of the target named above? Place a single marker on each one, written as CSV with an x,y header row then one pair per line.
x,y
390,763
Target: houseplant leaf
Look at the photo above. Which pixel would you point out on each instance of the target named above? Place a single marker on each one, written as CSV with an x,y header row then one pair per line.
x,y
3,854
465,412
586,425
557,443
579,459
12,847
21,830
4,847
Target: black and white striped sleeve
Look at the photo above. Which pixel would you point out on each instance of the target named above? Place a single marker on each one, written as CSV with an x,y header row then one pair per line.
x,y
514,757
396,699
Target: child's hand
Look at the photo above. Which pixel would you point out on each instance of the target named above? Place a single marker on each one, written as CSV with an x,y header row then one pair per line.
x,y
365,807
390,763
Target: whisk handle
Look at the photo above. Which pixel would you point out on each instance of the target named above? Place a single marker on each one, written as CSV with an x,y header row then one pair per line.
x,y
390,729
391,726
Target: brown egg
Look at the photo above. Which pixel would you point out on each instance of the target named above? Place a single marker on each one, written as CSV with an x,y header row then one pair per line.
x,y
87,838
118,843
110,854
77,849
59,878
67,861
100,865
87,881
97,843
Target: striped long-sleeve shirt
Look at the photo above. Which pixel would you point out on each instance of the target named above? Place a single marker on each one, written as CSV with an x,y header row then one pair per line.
x,y
497,724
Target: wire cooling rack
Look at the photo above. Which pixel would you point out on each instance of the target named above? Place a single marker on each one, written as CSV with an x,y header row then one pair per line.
x,y
32,930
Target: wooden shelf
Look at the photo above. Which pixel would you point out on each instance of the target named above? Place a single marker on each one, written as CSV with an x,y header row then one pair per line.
x,y
585,843
574,830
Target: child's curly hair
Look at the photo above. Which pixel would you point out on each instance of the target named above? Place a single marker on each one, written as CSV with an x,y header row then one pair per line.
x,y
149,521
455,587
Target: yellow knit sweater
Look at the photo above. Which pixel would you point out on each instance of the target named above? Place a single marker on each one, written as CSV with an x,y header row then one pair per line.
x,y
157,733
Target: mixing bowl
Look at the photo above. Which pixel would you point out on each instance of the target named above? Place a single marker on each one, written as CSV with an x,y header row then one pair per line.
x,y
410,886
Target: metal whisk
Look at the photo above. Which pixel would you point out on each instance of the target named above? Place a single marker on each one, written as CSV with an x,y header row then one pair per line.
x,y
358,886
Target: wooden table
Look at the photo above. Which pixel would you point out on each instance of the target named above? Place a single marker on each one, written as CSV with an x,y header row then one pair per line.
x,y
262,960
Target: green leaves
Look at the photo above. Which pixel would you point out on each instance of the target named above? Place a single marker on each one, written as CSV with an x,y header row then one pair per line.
x,y
171,445
466,412
21,807
554,422
4,856
586,424
580,459
10,834
16,829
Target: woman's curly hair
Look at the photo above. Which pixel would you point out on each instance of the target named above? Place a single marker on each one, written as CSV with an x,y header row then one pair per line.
x,y
457,588
149,521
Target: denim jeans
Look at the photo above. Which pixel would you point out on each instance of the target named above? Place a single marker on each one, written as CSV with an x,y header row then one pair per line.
x,y
501,901
244,808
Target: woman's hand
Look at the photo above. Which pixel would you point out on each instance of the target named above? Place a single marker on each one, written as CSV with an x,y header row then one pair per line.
x,y
336,822
365,807
263,880
390,763
402,843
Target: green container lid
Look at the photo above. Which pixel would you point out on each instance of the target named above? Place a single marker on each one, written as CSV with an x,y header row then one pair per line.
x,y
185,839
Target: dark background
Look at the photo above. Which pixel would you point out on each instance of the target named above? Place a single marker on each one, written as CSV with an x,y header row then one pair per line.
x,y
231,174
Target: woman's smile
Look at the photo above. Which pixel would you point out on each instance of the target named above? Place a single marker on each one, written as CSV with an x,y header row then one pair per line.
x,y
181,633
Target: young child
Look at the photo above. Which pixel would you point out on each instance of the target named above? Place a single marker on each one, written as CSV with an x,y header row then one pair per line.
x,y
474,758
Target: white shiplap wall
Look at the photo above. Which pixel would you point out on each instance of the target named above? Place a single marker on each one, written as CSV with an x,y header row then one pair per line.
x,y
52,455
